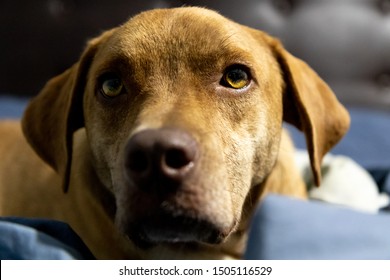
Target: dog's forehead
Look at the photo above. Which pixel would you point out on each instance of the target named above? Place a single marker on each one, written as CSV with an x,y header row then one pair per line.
x,y
182,32
178,24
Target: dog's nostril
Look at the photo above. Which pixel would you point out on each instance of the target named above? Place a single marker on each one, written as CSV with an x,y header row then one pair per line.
x,y
138,161
176,158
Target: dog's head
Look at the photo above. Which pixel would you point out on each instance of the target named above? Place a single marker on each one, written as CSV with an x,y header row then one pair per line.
x,y
183,112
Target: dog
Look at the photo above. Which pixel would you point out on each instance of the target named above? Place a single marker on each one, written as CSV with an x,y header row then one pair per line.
x,y
162,139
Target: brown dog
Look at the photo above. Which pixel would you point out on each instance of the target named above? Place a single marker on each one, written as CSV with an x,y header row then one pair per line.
x,y
165,135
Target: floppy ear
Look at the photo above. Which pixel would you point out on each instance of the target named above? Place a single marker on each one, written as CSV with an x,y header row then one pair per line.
x,y
311,106
56,113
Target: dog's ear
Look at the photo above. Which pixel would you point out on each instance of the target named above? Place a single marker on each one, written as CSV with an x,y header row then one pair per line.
x,y
56,113
311,106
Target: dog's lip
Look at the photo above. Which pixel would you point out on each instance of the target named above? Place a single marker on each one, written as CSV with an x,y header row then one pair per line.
x,y
165,228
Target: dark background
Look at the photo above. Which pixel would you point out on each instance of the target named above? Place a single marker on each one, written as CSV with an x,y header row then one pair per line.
x,y
346,41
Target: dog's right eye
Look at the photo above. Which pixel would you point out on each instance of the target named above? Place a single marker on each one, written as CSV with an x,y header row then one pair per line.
x,y
236,77
111,86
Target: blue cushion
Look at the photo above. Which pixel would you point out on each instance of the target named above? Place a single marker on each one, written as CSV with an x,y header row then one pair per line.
x,y
12,107
32,239
286,228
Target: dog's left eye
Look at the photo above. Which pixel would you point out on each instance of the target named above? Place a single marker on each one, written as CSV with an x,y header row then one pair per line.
x,y
111,86
236,77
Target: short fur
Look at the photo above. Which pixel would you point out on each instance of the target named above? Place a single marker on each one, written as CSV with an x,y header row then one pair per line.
x,y
171,62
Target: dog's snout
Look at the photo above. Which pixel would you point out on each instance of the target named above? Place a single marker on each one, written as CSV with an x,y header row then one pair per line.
x,y
160,158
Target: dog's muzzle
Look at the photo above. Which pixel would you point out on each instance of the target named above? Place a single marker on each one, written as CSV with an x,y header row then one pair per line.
x,y
161,170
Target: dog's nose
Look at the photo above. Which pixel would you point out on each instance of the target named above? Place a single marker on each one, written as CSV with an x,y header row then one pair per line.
x,y
160,159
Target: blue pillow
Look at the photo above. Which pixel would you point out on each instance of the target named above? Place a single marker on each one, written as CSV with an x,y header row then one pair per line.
x,y
32,239
12,107
287,228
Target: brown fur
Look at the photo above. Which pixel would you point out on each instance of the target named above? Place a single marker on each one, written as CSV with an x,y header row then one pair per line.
x,y
171,63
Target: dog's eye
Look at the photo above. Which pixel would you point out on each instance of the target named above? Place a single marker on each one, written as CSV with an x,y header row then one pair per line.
x,y
111,86
236,77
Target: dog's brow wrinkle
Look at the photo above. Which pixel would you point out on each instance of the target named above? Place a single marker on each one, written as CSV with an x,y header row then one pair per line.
x,y
226,42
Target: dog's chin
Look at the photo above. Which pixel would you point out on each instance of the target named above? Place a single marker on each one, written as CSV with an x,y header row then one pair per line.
x,y
164,229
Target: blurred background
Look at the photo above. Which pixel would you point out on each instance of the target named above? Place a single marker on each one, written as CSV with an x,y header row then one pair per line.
x,y
346,41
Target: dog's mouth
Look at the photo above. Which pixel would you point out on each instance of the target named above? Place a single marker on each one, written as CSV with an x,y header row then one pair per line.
x,y
173,229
